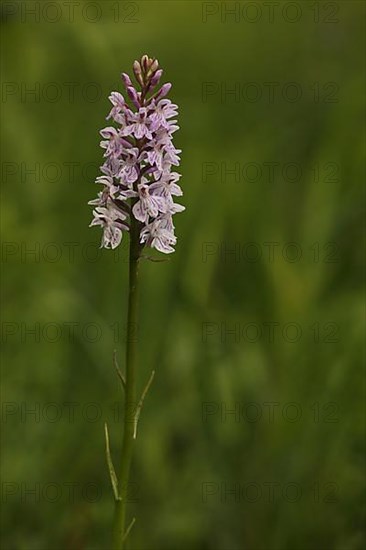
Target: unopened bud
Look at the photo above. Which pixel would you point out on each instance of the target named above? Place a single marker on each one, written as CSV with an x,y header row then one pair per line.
x,y
138,73
144,62
136,67
155,79
164,90
126,80
154,66
133,95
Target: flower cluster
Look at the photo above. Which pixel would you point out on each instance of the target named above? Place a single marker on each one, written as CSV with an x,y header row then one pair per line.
x,y
138,178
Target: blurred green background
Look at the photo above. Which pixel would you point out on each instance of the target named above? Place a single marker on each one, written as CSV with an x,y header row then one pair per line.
x,y
296,475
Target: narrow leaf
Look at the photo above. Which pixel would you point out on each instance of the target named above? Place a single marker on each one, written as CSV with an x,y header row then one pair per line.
x,y
112,471
128,529
119,373
139,406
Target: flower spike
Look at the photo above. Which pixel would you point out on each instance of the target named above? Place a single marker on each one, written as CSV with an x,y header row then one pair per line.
x,y
138,182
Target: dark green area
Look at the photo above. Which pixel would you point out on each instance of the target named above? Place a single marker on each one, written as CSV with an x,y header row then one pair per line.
x,y
298,474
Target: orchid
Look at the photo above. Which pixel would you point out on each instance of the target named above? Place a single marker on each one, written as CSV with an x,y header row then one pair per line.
x,y
140,154
159,235
138,187
148,205
110,218
164,109
129,172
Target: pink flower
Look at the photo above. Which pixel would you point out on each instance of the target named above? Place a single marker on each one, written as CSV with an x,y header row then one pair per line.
x,y
162,111
159,234
155,156
118,103
110,218
147,205
112,143
130,167
140,125
166,185
137,177
111,167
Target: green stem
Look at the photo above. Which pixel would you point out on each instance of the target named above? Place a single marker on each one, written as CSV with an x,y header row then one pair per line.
x,y
130,393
